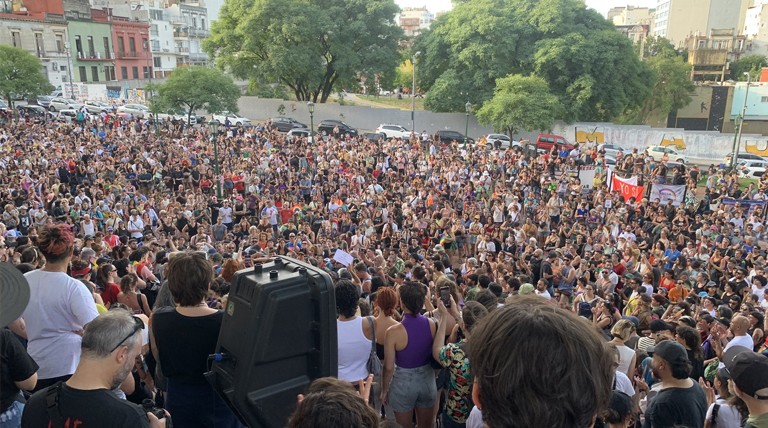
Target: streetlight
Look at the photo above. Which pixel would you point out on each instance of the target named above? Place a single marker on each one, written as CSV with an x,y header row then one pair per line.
x,y
737,141
311,108
69,72
468,108
213,126
413,94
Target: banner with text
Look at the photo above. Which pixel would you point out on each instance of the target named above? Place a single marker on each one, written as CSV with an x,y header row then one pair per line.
x,y
664,192
627,190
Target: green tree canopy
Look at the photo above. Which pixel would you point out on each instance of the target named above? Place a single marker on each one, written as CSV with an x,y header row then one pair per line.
x,y
654,46
21,75
589,66
748,64
672,88
520,103
312,46
196,88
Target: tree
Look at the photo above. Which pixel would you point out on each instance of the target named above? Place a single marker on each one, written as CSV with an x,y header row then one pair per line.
x,y
591,68
748,64
671,90
655,46
21,75
520,103
194,88
313,47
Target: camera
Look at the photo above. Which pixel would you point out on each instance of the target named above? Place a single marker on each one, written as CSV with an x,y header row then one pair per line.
x,y
149,406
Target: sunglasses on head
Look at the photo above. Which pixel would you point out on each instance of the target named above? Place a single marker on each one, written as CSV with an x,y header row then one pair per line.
x,y
138,326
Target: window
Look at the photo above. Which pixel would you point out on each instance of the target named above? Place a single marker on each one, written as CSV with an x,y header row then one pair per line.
x,y
157,61
109,73
39,45
95,73
132,46
79,46
83,75
144,45
135,72
60,43
145,72
16,39
120,46
764,99
91,48
63,67
107,47
124,73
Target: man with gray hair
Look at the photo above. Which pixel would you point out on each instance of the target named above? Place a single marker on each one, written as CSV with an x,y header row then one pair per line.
x,y
111,343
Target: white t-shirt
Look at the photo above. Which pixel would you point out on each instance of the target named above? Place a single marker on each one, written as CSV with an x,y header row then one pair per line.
x,y
59,306
545,294
623,384
745,341
727,415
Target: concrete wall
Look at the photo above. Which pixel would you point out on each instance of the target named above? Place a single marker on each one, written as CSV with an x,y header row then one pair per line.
x,y
705,146
362,118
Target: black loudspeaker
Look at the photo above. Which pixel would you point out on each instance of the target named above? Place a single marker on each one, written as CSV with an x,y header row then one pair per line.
x,y
278,335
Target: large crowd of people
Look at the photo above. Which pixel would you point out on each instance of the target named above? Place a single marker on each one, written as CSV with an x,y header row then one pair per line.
x,y
493,286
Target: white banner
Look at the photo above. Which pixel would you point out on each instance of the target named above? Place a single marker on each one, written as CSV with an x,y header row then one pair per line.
x,y
664,192
631,180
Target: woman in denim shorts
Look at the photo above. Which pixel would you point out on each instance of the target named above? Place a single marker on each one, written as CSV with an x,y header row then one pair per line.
x,y
407,353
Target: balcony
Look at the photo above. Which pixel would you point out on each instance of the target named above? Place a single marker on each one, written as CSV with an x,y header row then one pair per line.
x,y
195,32
129,55
182,50
94,56
198,56
181,33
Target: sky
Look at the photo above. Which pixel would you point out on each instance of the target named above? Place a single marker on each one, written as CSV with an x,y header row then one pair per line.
x,y
601,6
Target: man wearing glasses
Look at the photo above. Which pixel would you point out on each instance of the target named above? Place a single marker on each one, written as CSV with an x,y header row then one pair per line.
x,y
111,343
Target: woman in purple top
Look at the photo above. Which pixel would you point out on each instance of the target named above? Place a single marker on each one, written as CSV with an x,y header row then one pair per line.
x,y
407,353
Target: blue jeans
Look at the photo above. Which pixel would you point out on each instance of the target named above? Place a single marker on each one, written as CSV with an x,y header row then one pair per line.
x,y
11,417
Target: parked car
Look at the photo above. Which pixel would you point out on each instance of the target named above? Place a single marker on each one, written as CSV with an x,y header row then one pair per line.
x,y
326,127
385,93
545,142
285,124
97,107
69,115
393,131
299,133
233,118
751,169
503,141
44,100
609,160
137,110
374,136
658,152
32,110
610,149
446,137
60,103
744,157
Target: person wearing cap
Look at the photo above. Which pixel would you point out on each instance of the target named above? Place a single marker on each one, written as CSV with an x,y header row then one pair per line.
x,y
749,382
18,370
59,307
680,401
110,345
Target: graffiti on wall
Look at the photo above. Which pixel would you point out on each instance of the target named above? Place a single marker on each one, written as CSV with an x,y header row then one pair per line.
x,y
595,135
756,147
677,142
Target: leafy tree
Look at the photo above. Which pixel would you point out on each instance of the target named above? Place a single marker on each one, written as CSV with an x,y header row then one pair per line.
x,y
404,75
671,90
589,66
193,88
748,64
520,103
21,75
312,47
656,46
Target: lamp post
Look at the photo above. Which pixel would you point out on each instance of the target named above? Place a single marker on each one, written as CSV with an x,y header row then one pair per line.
x,y
468,108
737,141
413,94
69,72
213,125
311,108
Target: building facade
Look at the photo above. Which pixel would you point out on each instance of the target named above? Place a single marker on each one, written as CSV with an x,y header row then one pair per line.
x,y
677,20
756,28
413,20
630,15
133,55
710,54
190,27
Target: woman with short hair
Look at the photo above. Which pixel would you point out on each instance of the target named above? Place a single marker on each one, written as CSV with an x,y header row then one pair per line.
x,y
182,339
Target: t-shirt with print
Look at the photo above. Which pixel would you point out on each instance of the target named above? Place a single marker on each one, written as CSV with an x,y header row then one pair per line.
x,y
458,401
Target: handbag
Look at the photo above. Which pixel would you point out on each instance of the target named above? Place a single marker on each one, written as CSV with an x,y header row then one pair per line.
x,y
374,363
